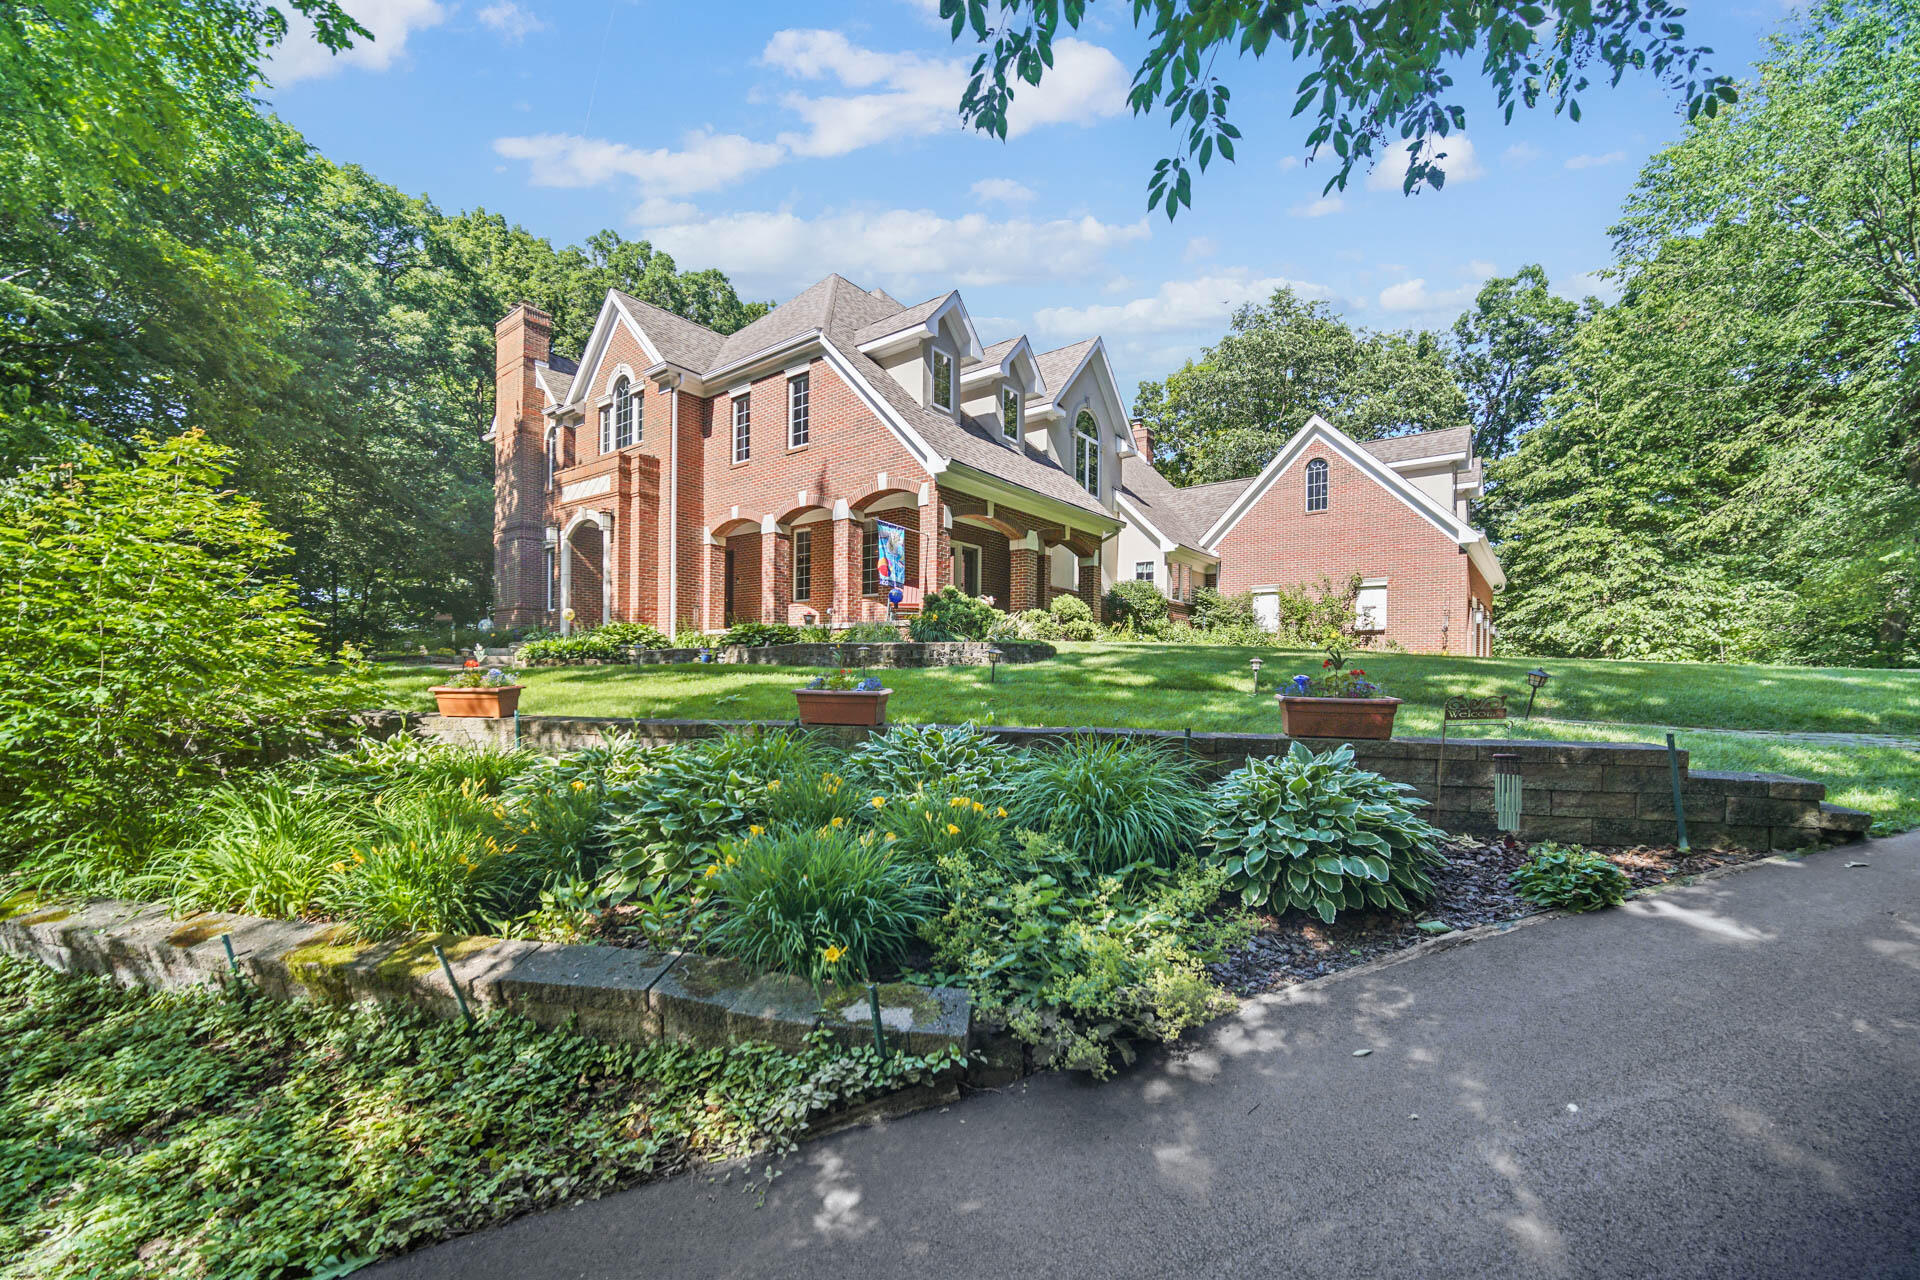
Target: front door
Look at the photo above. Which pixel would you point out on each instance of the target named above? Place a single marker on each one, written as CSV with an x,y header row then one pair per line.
x,y
727,589
969,569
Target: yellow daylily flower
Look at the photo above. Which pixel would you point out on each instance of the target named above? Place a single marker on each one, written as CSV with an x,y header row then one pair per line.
x,y
1000,811
928,816
952,830
839,822
337,867
713,869
832,954
958,802
891,837
579,785
773,784
756,830
878,802
978,807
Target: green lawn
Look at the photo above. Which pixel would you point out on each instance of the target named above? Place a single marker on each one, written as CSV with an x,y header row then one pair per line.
x,y
1209,689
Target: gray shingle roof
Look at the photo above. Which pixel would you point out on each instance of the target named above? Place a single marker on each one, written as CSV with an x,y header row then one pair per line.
x,y
896,320
557,382
1184,515
1421,444
1057,365
680,340
994,354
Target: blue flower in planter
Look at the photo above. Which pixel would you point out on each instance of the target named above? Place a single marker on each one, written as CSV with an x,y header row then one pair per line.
x,y
818,682
1300,685
870,685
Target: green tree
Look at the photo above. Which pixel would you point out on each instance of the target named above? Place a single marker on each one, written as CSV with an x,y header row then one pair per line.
x,y
1379,74
1228,413
1505,350
147,643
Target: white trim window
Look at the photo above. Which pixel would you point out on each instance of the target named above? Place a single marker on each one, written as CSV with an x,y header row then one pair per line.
x,y
1086,452
1010,413
942,380
623,414
1317,485
553,575
798,388
869,559
803,562
553,451
742,428
606,428
1143,571
1370,605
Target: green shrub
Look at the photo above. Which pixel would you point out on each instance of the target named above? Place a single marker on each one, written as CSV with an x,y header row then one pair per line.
x,y
870,633
1074,616
952,614
609,642
1114,801
148,645
825,905
1571,878
1318,833
1213,611
909,758
939,822
1040,624
756,634
267,849
1080,966
1140,605
373,766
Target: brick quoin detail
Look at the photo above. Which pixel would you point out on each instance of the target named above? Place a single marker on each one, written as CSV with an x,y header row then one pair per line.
x,y
1367,530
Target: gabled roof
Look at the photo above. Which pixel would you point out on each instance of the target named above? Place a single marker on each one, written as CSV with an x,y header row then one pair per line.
x,y
1323,433
554,382
1183,515
679,340
1059,364
904,318
1421,444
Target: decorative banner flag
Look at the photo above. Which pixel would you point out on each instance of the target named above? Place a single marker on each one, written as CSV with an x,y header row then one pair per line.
x,y
892,554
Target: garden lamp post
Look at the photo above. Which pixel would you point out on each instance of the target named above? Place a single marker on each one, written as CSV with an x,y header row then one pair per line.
x,y
1255,664
993,664
1535,679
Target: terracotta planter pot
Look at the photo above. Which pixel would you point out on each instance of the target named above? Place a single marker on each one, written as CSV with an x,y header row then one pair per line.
x,y
842,706
1336,717
501,700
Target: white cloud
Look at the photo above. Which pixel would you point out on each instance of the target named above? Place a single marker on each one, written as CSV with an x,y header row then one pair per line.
x,y
1005,190
772,251
1177,306
1289,163
911,95
1481,269
1594,162
1459,162
512,22
301,57
1521,153
1413,295
1199,247
1318,208
705,162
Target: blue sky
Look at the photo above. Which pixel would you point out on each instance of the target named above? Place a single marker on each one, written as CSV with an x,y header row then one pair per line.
x,y
780,142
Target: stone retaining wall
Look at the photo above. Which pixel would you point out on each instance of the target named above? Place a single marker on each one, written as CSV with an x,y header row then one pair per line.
x,y
1611,793
610,993
955,653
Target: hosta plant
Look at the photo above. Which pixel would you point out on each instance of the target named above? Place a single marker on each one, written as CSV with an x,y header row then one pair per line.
x,y
910,758
1319,833
1569,877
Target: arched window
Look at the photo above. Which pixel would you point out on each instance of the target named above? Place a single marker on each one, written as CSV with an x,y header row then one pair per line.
x,y
1086,452
1317,485
622,413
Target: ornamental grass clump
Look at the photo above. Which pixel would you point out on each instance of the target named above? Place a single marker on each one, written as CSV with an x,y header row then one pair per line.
x,y
824,904
435,863
264,850
1319,833
1571,878
1113,801
929,825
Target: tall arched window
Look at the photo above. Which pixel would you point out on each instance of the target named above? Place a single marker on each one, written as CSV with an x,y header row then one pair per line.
x,y
622,413
1317,485
1086,452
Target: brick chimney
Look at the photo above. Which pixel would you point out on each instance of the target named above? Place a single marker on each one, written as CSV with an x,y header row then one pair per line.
x,y
521,342
1143,439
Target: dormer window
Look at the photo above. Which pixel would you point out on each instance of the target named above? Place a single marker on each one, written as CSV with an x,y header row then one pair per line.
x,y
1086,452
942,380
1010,413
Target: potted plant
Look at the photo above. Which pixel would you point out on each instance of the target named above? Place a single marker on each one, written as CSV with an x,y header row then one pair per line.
x,y
1340,702
474,693
843,698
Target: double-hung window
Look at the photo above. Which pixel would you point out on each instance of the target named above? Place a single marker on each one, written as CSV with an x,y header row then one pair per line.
x,y
623,414
742,428
797,392
1010,413
942,380
606,428
1086,452
1143,570
803,564
869,560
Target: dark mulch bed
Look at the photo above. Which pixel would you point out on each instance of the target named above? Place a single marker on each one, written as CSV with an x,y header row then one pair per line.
x,y
1472,889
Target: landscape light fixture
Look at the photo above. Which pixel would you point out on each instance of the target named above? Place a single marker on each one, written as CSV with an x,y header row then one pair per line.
x,y
993,666
1255,664
1535,678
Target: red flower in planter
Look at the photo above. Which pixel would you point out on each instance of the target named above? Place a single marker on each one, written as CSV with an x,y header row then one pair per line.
x,y
1356,672
1327,663
473,662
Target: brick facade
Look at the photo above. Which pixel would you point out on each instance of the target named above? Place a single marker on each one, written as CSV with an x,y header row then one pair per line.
x,y
1369,530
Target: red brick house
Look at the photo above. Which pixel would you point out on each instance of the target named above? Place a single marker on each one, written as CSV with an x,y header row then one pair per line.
x,y
684,478
689,479
1394,511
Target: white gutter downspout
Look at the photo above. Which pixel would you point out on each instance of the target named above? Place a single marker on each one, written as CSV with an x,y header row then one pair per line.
x,y
673,513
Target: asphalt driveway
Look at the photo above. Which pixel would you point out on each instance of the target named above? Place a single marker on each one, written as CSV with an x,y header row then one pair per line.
x,y
1717,1081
